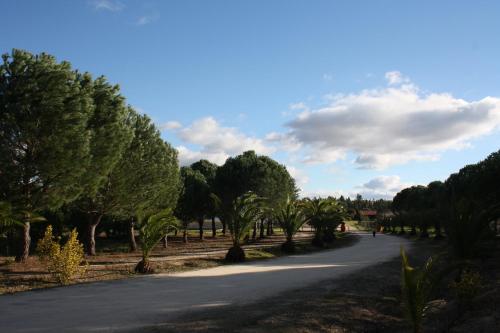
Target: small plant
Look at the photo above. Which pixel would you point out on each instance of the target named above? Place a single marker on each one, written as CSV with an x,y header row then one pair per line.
x,y
63,262
243,213
467,287
290,218
417,286
151,232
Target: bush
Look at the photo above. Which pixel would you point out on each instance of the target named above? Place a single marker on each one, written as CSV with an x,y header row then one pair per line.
x,y
417,286
64,263
467,287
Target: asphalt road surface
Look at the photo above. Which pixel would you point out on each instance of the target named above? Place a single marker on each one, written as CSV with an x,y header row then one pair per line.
x,y
113,306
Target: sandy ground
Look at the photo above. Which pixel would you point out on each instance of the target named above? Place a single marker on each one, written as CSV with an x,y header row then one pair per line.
x,y
144,301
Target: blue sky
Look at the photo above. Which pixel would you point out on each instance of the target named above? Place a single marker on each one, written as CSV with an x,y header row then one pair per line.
x,y
353,96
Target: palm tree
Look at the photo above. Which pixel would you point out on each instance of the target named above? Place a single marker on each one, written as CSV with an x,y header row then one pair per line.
x,y
324,215
290,217
11,218
8,218
151,232
241,216
315,210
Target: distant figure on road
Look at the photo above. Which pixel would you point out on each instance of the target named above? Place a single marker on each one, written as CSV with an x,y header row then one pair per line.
x,y
374,232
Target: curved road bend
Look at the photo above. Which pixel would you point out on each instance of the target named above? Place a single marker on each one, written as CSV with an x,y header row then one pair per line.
x,y
137,302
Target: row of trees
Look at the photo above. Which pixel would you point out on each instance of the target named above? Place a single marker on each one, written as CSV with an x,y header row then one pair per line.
x,y
69,140
71,148
466,206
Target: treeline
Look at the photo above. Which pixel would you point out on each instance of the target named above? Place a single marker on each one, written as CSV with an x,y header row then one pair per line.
x,y
73,154
70,145
466,206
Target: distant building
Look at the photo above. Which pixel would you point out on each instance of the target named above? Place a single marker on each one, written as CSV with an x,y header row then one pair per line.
x,y
367,215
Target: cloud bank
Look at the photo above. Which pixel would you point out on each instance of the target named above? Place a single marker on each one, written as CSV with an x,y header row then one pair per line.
x,y
392,125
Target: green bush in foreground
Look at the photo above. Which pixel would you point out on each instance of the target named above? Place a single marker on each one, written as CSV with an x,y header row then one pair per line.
x,y
417,286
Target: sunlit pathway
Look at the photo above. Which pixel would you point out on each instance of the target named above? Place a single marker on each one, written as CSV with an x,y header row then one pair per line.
x,y
137,302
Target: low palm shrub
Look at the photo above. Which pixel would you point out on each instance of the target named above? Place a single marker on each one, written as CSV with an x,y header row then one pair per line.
x,y
467,287
63,262
241,216
417,286
151,231
290,218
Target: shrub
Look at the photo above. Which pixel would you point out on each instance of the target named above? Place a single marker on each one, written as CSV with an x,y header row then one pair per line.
x,y
467,287
152,230
417,287
62,262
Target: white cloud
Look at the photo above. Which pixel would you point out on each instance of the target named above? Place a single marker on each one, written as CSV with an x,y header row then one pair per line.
x,y
299,175
216,142
111,5
285,142
188,156
147,19
170,125
299,106
395,78
321,193
382,187
392,125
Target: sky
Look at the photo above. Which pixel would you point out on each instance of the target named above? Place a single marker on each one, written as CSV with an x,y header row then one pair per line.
x,y
352,97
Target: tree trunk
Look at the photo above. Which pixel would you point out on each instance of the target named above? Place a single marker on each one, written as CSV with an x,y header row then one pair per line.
x,y
268,231
24,251
262,227
165,241
133,244
271,227
254,234
200,227
223,228
94,220
214,229
185,236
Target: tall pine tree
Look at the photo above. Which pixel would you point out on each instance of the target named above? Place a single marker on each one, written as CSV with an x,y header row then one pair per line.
x,y
44,139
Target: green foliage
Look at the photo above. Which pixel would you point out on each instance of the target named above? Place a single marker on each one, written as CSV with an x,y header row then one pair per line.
x,y
417,286
467,287
194,201
241,216
44,140
152,230
246,209
145,178
258,174
8,218
64,263
466,227
110,134
290,218
324,215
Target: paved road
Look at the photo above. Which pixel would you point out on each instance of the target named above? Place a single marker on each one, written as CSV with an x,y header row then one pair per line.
x,y
113,306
